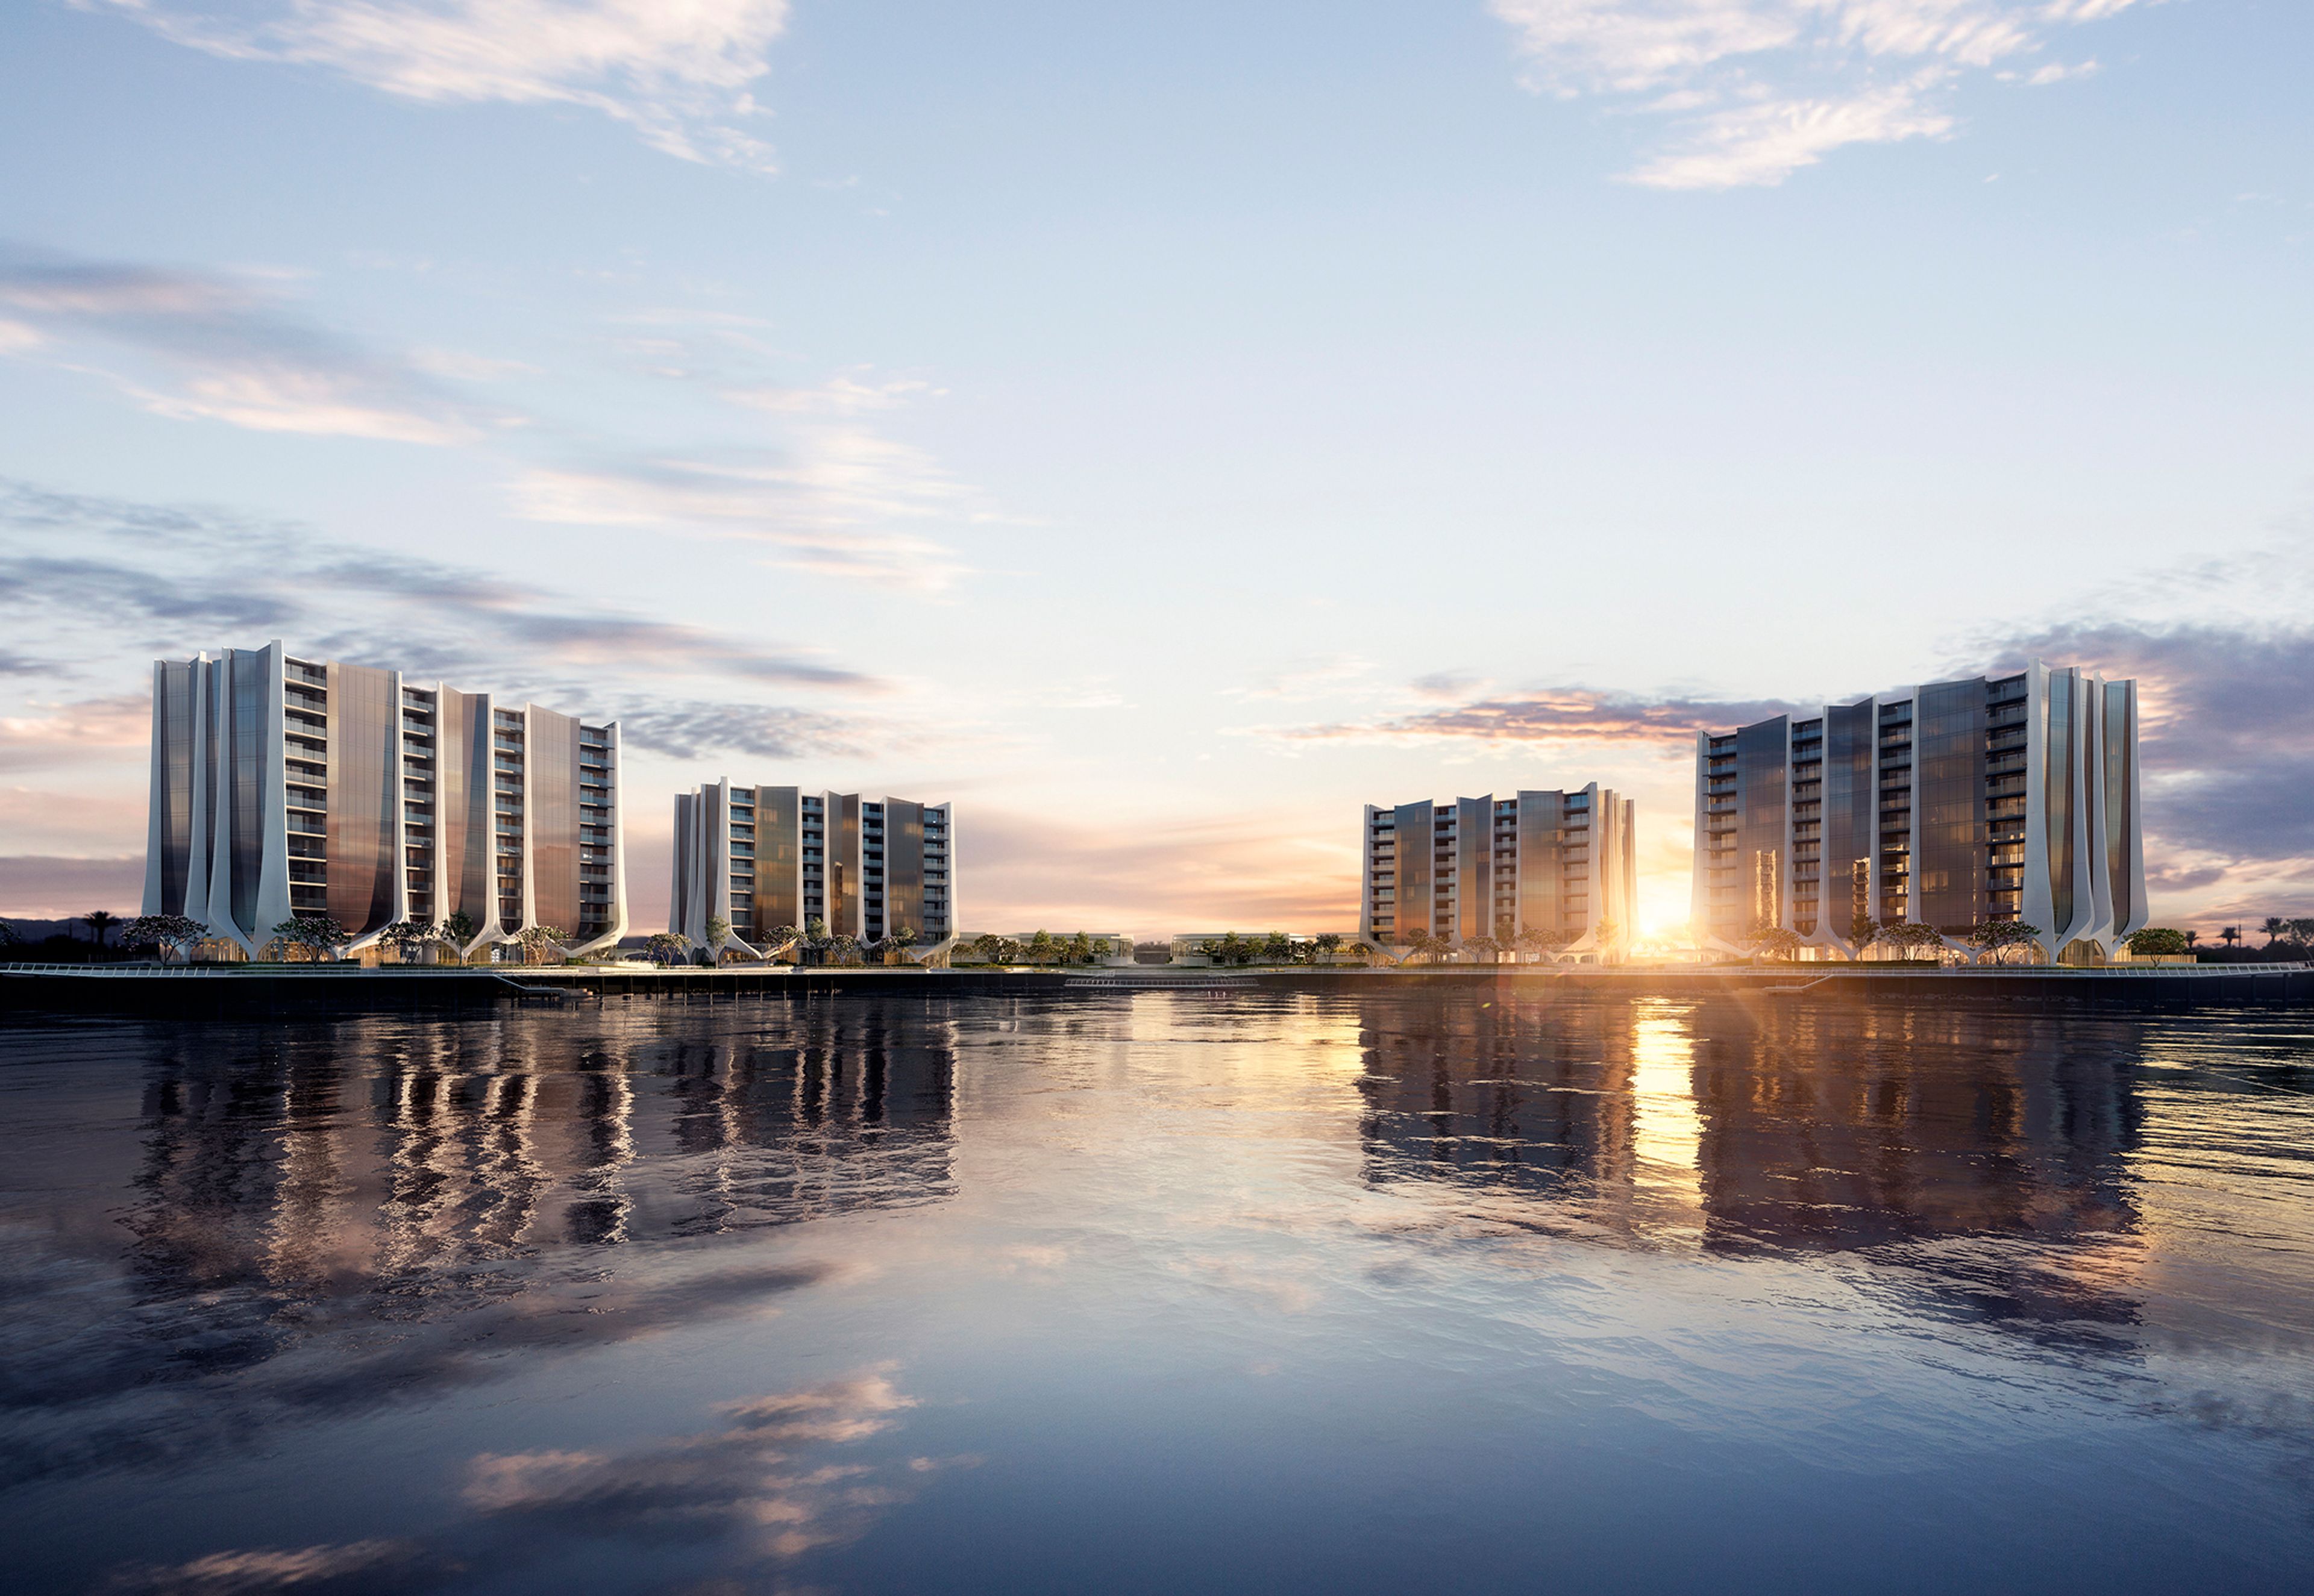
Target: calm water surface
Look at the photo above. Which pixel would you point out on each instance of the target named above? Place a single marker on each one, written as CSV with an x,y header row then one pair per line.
x,y
1161,1293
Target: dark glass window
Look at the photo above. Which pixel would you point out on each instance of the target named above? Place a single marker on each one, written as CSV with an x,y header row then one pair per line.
x,y
1949,761
1763,794
1849,818
2061,753
365,725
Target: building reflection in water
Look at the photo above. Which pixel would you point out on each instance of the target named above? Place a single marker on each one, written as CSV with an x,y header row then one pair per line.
x,y
349,1212
1982,1154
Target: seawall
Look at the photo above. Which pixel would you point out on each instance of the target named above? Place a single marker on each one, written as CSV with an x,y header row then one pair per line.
x,y
241,991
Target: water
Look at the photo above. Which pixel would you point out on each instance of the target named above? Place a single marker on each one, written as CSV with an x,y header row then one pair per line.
x,y
1161,1293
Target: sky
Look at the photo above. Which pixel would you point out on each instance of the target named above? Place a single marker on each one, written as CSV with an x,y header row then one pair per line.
x,y
1160,431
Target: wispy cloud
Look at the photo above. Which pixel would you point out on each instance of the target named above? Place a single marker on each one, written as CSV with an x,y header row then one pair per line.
x,y
174,578
1753,90
353,1568
2228,744
678,74
764,1475
826,487
1541,715
197,346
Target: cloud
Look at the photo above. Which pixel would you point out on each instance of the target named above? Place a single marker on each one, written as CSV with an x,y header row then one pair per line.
x,y
1544,714
828,503
360,1566
204,347
1756,88
75,733
49,886
2227,748
757,1476
176,579
678,75
690,729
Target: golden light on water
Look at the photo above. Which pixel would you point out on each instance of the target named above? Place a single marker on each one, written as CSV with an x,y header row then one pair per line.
x,y
1667,1132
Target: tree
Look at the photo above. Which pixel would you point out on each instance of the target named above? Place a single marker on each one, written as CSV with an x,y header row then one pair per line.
x,y
1424,945
459,930
317,934
844,949
988,945
1325,947
1277,949
406,937
717,930
666,948
161,931
2274,926
2229,937
1486,948
9,935
1998,937
906,936
2156,941
1911,936
1544,941
100,923
1775,941
535,937
1863,932
814,932
2192,937
2302,931
1606,934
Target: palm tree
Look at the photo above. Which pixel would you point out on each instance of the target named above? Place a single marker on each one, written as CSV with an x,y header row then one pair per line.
x,y
100,925
2229,935
2274,926
2192,937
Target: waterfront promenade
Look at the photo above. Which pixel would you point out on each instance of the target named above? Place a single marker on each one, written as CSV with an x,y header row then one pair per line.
x,y
246,990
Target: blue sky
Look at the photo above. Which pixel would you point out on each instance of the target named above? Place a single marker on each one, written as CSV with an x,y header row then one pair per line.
x,y
1162,430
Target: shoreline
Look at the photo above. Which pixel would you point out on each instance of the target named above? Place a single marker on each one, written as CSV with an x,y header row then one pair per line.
x,y
233,991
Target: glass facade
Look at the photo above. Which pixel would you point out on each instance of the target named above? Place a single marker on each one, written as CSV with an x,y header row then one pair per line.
x,y
1849,820
904,867
1763,802
1474,871
551,778
2059,776
842,891
779,859
1950,887
2120,801
1417,873
1541,815
172,821
248,680
364,797
466,871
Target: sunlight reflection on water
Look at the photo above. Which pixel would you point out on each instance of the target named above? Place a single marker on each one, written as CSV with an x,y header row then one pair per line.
x,y
1148,1290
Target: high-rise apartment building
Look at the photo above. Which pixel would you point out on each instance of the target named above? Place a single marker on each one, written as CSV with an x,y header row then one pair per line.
x,y
1953,804
1558,861
762,857
283,785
